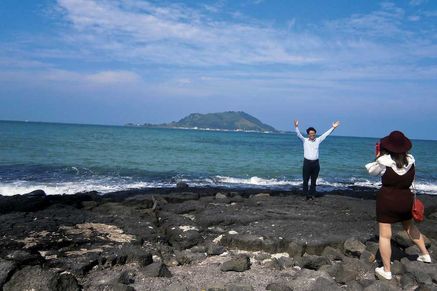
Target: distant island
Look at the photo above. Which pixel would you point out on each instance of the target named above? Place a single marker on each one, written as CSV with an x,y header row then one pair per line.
x,y
229,121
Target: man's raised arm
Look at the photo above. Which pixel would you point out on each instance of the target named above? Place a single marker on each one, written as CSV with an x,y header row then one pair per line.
x,y
296,128
329,131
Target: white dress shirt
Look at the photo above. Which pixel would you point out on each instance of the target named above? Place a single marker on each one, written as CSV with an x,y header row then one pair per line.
x,y
311,147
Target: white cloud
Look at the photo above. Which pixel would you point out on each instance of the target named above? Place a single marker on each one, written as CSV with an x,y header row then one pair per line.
x,y
176,34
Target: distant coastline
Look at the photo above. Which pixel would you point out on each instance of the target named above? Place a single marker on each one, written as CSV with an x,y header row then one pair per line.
x,y
223,121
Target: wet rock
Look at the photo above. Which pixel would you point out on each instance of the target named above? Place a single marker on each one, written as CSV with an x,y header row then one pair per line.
x,y
353,247
6,270
278,287
36,193
181,197
239,264
182,185
157,269
38,279
313,262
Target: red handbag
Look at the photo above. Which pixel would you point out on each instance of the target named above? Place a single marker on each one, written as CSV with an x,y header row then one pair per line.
x,y
418,210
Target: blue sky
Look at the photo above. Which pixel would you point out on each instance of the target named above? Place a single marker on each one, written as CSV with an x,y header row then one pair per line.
x,y
370,64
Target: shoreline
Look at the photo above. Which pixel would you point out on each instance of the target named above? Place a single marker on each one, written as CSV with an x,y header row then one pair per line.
x,y
137,239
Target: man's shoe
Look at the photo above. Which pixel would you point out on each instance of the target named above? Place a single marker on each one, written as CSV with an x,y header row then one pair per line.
x,y
424,258
383,274
309,198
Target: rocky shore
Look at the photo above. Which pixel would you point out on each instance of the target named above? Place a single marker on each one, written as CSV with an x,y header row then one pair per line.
x,y
204,239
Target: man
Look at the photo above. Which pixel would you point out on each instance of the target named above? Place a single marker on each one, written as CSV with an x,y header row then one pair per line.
x,y
311,166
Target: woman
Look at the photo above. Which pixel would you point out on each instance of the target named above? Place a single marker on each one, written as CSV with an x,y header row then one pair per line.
x,y
394,200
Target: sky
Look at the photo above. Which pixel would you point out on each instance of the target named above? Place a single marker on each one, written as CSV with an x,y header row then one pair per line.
x,y
370,64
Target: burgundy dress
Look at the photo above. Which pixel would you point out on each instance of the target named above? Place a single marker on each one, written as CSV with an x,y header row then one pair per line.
x,y
395,200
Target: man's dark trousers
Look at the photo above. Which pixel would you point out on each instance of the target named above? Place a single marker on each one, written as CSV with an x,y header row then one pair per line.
x,y
311,170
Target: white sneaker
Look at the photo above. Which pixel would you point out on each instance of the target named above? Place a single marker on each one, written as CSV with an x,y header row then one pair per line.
x,y
424,258
380,271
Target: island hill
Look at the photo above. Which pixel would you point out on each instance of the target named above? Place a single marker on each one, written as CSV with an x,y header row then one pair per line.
x,y
230,120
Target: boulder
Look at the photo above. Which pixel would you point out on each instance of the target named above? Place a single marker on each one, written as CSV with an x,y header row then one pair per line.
x,y
181,185
157,269
188,257
397,268
220,195
126,254
37,279
423,273
403,239
21,257
215,250
307,280
381,286
278,287
408,282
36,193
6,270
353,247
367,257
313,262
332,254
239,264
126,277
294,249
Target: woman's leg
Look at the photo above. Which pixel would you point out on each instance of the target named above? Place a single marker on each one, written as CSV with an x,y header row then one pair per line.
x,y
385,244
415,236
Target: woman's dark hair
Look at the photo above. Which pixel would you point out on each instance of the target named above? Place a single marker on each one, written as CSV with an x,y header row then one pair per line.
x,y
311,128
399,158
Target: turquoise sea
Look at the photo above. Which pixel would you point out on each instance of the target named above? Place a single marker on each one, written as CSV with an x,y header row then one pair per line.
x,y
68,158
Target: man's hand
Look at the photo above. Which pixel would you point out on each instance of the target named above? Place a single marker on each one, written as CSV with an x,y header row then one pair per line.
x,y
336,124
296,123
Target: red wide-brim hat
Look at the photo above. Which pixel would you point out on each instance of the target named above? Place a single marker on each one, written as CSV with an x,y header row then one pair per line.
x,y
396,142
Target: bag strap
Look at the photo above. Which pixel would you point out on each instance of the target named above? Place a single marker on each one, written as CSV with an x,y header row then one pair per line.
x,y
413,187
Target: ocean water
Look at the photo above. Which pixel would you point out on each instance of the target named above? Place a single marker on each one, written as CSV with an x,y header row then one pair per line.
x,y
66,158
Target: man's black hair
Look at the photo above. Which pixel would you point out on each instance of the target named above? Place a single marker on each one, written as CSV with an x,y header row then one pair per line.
x,y
311,128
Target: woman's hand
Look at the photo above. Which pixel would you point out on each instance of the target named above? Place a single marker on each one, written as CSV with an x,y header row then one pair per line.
x,y
336,124
296,123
